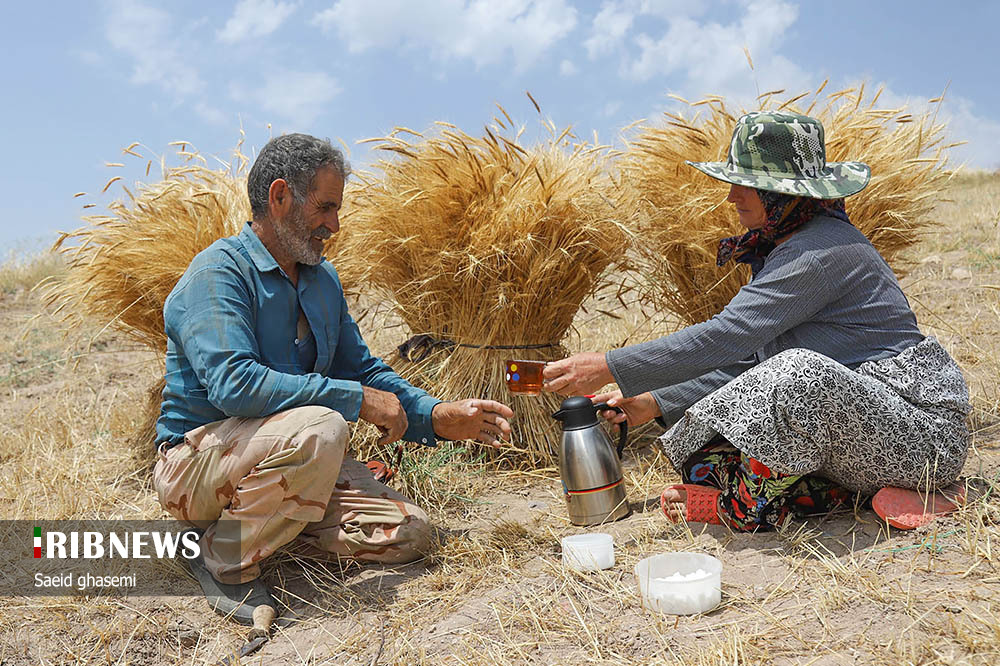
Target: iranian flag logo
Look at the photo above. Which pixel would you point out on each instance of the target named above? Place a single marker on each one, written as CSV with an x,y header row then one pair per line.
x,y
38,542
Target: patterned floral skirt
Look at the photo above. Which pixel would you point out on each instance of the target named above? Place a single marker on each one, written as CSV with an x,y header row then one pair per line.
x,y
895,422
754,496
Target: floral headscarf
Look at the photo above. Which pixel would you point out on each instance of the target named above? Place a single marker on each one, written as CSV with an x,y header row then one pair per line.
x,y
785,213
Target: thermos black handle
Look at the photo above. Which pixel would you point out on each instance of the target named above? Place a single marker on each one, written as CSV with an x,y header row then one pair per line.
x,y
622,427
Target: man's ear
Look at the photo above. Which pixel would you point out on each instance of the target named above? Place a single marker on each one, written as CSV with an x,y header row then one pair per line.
x,y
279,199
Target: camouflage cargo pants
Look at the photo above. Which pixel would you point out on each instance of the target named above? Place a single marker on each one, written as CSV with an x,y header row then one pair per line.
x,y
254,485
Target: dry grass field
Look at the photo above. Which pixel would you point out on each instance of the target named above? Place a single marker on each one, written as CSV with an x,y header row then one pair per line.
x,y
844,589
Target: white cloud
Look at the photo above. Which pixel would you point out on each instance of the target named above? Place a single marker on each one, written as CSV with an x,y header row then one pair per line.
x,y
611,108
146,35
296,97
981,134
659,40
670,43
486,32
614,20
211,114
567,68
712,53
255,18
610,25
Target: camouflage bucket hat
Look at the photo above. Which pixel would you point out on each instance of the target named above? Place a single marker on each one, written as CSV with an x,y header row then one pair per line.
x,y
785,152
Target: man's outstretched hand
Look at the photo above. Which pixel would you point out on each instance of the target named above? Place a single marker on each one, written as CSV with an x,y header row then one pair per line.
x,y
482,420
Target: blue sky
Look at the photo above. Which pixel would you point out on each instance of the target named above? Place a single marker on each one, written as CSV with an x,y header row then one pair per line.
x,y
82,80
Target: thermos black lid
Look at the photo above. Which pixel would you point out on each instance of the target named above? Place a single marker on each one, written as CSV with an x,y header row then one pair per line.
x,y
576,413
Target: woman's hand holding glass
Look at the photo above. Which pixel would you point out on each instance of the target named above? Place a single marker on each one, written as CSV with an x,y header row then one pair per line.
x,y
579,374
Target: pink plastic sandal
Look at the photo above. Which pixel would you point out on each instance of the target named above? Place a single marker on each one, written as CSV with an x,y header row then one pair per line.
x,y
702,505
908,509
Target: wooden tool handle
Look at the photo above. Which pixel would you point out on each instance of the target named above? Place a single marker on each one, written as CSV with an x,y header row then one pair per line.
x,y
263,617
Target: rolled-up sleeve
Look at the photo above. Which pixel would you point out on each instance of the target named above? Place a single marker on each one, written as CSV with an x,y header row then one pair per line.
x,y
784,294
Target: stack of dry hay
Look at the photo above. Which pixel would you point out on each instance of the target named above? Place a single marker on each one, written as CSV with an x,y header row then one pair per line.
x,y
683,213
122,266
476,241
487,247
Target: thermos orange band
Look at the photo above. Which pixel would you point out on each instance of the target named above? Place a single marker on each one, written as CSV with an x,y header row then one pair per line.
x,y
595,490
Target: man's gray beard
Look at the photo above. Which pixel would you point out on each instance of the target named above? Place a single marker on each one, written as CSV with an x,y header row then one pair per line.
x,y
293,237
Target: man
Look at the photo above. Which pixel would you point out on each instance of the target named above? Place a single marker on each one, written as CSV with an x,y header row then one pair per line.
x,y
264,368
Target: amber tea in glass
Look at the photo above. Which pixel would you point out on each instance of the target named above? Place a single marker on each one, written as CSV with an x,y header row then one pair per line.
x,y
524,377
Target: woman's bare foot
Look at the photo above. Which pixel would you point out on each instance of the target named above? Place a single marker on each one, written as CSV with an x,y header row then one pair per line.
x,y
675,504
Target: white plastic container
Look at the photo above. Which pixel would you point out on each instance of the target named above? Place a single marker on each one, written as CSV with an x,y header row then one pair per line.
x,y
588,552
680,583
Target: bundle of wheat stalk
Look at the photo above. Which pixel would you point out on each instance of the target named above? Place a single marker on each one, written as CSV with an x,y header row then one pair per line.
x,y
122,266
682,214
485,248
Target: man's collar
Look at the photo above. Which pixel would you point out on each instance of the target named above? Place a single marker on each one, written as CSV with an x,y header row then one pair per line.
x,y
261,258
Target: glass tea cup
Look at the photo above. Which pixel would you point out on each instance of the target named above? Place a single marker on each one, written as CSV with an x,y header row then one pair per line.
x,y
524,377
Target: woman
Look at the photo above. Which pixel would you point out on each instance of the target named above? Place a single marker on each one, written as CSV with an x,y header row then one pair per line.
x,y
814,383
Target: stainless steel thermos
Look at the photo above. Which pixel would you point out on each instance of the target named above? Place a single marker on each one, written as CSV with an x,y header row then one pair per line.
x,y
589,465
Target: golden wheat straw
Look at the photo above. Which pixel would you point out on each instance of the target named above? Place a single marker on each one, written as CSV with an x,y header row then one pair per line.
x,y
484,242
121,266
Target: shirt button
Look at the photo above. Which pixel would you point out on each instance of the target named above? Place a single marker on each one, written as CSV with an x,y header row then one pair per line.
x,y
296,341
423,441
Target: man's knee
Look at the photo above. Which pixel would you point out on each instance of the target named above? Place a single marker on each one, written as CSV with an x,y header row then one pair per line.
x,y
319,433
330,431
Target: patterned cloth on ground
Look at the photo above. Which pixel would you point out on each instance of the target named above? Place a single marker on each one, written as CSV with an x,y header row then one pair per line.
x,y
899,421
754,496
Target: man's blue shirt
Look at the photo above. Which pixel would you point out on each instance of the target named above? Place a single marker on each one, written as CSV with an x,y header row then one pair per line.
x,y
233,347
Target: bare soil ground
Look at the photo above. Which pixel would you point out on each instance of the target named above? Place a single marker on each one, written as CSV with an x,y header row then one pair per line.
x,y
835,590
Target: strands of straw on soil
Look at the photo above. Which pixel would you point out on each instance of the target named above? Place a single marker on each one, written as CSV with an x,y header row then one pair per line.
x,y
494,593
683,213
485,243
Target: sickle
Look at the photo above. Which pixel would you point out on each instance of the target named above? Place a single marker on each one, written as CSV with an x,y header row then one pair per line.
x,y
263,618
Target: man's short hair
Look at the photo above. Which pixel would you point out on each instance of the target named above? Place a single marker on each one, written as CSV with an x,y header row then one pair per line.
x,y
295,158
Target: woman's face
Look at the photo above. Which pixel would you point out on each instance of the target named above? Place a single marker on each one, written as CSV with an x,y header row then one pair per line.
x,y
748,205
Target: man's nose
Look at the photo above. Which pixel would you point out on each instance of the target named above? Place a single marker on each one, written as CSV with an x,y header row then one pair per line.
x,y
333,224
733,194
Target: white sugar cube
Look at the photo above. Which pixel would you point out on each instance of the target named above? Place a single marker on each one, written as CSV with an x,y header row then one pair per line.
x,y
679,577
